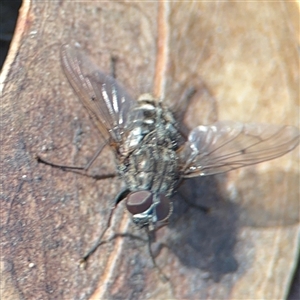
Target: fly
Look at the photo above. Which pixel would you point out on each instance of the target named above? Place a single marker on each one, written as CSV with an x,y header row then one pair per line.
x,y
152,156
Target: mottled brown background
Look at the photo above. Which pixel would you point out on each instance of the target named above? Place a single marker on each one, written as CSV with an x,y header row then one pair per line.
x,y
243,60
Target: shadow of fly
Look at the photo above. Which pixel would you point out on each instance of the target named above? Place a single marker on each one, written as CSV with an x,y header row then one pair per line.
x,y
152,155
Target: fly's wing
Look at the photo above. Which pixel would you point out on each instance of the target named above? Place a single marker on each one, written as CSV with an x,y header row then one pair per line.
x,y
107,103
228,145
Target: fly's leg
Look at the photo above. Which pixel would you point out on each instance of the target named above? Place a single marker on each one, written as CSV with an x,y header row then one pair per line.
x,y
116,235
163,277
188,202
183,103
113,62
77,168
204,209
86,167
181,108
208,104
100,242
151,237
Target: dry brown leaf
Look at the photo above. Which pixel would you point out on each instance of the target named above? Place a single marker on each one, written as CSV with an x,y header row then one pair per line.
x,y
242,58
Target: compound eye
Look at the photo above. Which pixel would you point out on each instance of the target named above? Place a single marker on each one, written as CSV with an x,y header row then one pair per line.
x,y
163,208
138,202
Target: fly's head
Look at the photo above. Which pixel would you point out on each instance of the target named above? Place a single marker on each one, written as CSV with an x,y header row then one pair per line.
x,y
148,209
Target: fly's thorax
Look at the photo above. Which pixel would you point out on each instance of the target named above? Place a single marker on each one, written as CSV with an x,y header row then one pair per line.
x,y
152,166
